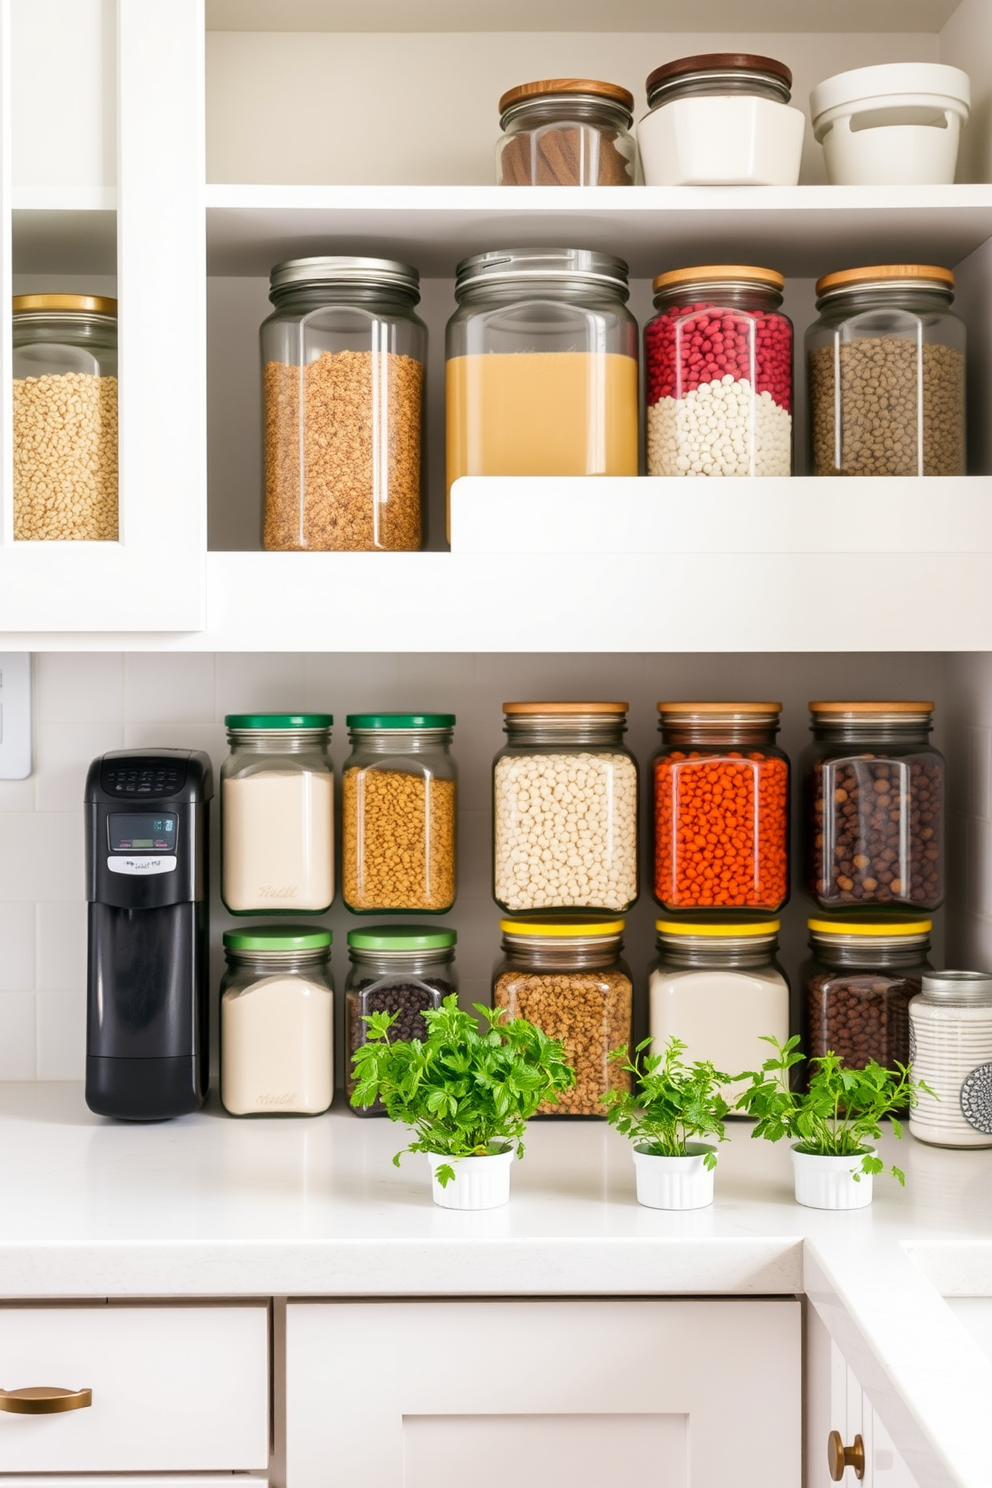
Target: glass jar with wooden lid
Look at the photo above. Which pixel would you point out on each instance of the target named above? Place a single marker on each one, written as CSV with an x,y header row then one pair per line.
x,y
886,373
566,132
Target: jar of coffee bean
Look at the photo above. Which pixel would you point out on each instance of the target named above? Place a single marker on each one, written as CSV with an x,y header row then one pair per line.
x,y
858,984
874,816
399,969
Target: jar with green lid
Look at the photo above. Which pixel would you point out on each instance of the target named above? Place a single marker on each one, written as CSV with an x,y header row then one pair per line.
x,y
401,969
951,1051
65,417
568,977
277,1022
399,803
277,814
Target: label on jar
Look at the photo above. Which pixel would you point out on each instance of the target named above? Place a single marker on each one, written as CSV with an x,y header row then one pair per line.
x,y
976,1099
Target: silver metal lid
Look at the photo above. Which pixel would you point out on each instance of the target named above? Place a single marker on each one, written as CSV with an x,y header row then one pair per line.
x,y
957,986
344,271
534,266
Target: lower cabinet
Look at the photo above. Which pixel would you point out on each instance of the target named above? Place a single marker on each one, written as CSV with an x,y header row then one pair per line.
x,y
569,1394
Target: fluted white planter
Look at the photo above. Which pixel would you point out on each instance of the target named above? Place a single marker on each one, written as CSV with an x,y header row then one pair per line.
x,y
828,1182
479,1182
674,1182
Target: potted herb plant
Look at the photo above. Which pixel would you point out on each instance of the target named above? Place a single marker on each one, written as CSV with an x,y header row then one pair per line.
x,y
832,1124
669,1106
467,1094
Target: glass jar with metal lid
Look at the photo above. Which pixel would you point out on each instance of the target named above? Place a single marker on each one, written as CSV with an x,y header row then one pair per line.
x,y
857,988
717,986
886,373
566,132
720,808
566,975
718,364
65,417
721,119
951,1052
343,357
874,817
541,372
398,813
276,1022
277,814
564,809
401,969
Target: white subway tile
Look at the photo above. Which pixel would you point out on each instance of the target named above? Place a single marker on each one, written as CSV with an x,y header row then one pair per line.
x,y
173,685
61,1036
42,856
348,683
253,682
63,757
62,946
17,937
208,736
17,1036
79,687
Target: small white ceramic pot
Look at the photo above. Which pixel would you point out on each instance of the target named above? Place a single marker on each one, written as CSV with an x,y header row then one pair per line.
x,y
479,1182
674,1182
828,1182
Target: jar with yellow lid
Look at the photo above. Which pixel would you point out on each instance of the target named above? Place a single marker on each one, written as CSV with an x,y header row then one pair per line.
x,y
65,418
718,366
566,132
718,987
566,976
886,373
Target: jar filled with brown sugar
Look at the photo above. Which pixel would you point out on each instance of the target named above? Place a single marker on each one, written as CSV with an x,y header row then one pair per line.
x,y
566,132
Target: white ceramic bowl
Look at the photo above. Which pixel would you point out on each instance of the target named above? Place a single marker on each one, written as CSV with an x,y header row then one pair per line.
x,y
722,140
479,1182
828,1182
674,1182
896,124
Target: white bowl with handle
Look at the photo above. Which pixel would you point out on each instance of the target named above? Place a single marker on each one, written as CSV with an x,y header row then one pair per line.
x,y
897,124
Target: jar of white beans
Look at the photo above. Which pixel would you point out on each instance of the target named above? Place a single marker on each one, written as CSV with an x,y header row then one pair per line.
x,y
951,1052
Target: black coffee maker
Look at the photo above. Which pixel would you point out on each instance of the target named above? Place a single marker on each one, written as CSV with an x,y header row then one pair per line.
x,y
147,884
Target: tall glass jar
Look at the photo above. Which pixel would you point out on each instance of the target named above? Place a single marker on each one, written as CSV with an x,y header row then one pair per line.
x,y
277,814
401,969
65,417
719,988
718,364
343,357
566,132
541,370
858,985
886,373
564,809
874,818
567,977
720,808
276,1022
951,1052
398,813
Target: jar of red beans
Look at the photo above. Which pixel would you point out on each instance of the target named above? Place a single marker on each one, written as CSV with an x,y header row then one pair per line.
x,y
720,808
874,819
718,362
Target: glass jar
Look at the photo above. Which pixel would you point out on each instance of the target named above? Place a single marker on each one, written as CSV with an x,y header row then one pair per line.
x,y
566,132
541,375
719,988
398,813
885,366
65,418
858,986
720,808
564,809
951,1051
343,359
567,977
718,365
874,819
276,1022
277,814
399,969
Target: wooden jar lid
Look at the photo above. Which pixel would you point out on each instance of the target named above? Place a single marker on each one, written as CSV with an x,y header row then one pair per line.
x,y
719,62
875,273
707,273
719,710
855,709
549,87
80,303
517,708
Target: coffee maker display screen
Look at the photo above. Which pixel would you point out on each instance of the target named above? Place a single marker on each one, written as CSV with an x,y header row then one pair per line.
x,y
142,833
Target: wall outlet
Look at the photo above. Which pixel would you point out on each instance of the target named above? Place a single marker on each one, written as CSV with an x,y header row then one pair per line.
x,y
15,715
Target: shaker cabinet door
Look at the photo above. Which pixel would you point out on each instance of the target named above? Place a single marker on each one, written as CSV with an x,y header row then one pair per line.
x,y
568,1394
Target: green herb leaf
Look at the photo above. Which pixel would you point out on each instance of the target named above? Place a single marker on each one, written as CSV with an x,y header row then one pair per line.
x,y
670,1103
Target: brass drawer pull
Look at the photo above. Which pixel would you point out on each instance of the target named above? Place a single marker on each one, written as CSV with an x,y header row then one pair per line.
x,y
840,1457
44,1400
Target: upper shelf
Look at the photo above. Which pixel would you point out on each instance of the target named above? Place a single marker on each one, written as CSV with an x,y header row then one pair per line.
x,y
803,230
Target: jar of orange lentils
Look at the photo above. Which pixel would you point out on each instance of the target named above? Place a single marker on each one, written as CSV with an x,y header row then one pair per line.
x,y
720,808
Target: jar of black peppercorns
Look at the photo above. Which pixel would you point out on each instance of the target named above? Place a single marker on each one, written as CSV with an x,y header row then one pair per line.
x,y
874,817
399,969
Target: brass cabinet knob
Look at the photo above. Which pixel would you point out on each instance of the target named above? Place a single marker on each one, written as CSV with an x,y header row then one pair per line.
x,y
840,1457
43,1400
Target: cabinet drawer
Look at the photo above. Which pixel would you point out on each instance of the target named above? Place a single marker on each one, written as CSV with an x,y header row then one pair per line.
x,y
180,1389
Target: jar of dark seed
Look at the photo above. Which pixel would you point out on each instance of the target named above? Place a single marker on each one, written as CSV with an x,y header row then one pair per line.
x,y
399,969
886,366
874,812
858,984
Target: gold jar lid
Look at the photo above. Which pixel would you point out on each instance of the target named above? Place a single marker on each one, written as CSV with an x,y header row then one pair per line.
x,y
79,304
683,712
868,709
566,708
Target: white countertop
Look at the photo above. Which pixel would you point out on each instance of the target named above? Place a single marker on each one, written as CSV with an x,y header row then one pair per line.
x,y
207,1206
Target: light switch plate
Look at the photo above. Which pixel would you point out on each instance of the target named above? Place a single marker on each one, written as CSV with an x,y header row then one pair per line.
x,y
15,715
